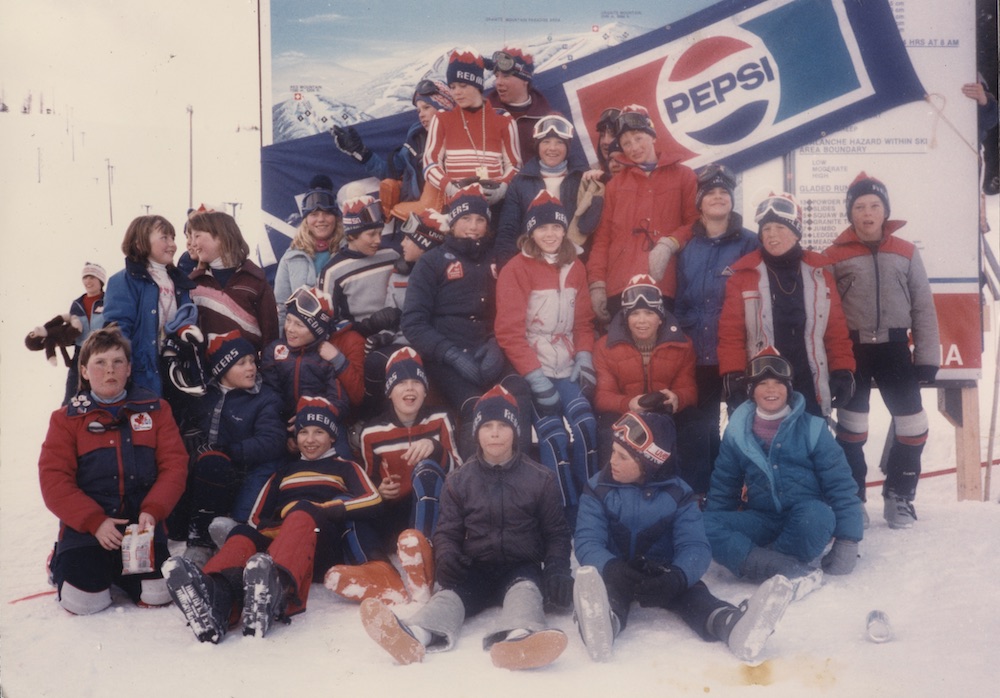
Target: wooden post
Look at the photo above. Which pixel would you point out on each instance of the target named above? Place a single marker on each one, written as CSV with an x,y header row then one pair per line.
x,y
960,406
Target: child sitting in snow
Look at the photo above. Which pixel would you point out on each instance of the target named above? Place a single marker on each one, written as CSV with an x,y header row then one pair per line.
x,y
502,539
295,534
640,537
407,452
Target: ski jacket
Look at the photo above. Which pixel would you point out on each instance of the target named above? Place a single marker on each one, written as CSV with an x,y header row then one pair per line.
x,y
501,515
803,463
132,300
544,315
405,163
525,119
100,461
522,191
658,520
356,282
450,299
638,211
621,375
703,267
456,148
383,443
246,303
746,326
296,269
246,424
884,292
292,372
328,483
88,324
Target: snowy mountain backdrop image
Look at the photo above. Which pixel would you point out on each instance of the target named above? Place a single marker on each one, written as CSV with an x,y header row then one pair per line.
x,y
341,102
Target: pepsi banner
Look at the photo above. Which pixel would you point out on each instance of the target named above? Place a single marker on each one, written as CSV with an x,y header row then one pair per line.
x,y
747,82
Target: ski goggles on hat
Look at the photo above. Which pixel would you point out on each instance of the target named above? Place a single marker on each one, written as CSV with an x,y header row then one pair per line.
x,y
557,126
780,206
425,88
713,172
770,365
305,302
608,120
642,296
632,121
319,199
503,61
366,217
636,434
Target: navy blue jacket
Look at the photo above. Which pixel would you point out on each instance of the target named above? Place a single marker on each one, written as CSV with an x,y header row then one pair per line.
x,y
404,163
702,273
247,424
450,299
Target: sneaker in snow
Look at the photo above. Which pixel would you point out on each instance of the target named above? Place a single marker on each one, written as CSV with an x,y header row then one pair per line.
x,y
263,595
417,560
758,616
390,632
530,651
203,601
899,512
593,613
372,580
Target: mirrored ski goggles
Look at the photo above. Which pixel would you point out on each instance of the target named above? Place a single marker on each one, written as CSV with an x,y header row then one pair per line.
x,y
763,366
319,200
641,296
712,172
632,121
609,117
636,434
305,301
780,206
367,216
557,126
426,87
503,61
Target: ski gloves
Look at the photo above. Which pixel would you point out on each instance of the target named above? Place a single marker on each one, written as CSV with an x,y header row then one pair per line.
x,y
842,558
349,142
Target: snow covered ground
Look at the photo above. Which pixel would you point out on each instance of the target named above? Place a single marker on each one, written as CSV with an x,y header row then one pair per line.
x,y
937,582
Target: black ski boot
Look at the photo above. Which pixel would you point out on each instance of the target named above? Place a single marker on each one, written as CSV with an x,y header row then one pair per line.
x,y
204,601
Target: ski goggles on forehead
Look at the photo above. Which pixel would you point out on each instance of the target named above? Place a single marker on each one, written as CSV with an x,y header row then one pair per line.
x,y
426,87
632,121
641,297
779,206
557,126
637,435
609,117
305,302
321,200
503,61
370,214
763,366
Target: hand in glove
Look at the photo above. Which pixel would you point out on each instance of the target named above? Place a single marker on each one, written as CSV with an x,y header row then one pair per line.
x,y
599,299
841,387
734,389
378,340
210,447
583,373
926,374
842,558
494,191
659,257
349,142
588,190
450,570
332,512
557,589
491,361
621,579
381,319
461,361
659,588
543,391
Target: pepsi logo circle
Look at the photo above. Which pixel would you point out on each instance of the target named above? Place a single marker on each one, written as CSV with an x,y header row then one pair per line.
x,y
718,90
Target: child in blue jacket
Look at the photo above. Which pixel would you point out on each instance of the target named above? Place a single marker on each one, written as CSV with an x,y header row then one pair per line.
x,y
640,537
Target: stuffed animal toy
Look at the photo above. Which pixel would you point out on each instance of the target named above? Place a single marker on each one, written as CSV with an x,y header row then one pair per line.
x,y
61,331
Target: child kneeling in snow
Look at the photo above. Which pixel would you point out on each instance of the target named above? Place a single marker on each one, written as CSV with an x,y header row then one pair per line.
x,y
295,534
640,537
502,539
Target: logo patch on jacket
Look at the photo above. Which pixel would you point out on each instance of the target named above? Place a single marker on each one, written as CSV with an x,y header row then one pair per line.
x,y
454,271
141,421
726,272
281,352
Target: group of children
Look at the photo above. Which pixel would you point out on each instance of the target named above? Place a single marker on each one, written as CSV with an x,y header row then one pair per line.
x,y
377,407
